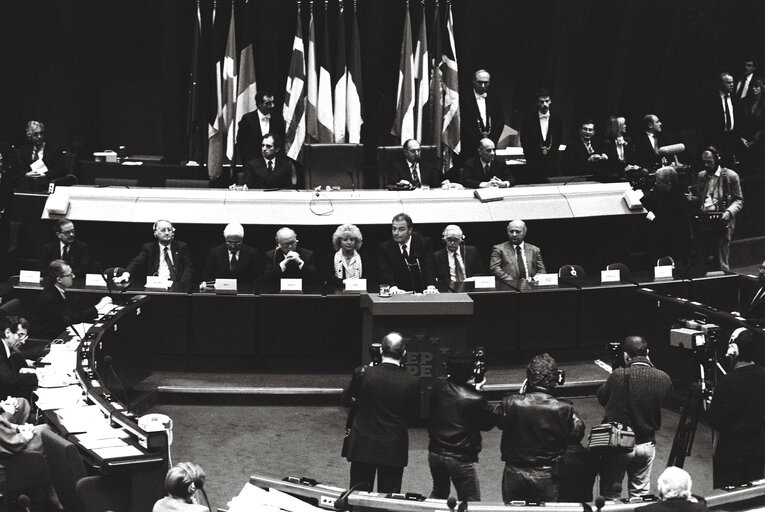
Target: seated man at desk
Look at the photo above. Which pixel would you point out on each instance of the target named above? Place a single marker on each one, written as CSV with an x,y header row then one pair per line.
x,y
288,261
16,378
75,252
38,160
410,171
272,169
167,258
233,259
485,170
406,261
55,309
516,259
457,261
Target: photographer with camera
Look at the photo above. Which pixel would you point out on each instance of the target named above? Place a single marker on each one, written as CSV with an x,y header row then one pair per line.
x,y
458,414
385,401
535,427
633,396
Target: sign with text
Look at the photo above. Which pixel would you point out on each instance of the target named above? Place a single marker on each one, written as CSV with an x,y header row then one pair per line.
x,y
663,272
291,285
546,279
610,276
29,276
355,285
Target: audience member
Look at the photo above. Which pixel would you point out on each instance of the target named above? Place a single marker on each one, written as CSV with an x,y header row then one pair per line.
x,y
670,217
541,139
74,252
620,151
167,258
411,171
737,413
481,113
288,261
55,309
675,493
253,126
516,259
485,169
16,377
181,485
456,262
233,259
384,399
457,415
346,263
720,124
752,129
745,83
405,262
584,156
38,161
578,469
647,144
633,396
270,169
535,427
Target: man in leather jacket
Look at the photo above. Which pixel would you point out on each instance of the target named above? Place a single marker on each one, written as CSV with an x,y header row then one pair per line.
x,y
535,431
458,413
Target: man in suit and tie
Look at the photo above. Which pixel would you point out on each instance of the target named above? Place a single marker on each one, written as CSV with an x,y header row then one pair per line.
x,y
541,138
288,261
411,171
39,162
516,259
68,248
744,84
485,169
17,379
271,169
166,257
584,156
481,113
457,261
721,120
233,259
647,144
385,400
405,262
254,125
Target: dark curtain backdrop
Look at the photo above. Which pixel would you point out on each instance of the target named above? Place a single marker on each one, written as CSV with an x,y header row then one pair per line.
x,y
102,74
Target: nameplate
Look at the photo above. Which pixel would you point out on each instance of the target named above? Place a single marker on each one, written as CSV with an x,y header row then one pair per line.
x,y
484,282
663,272
292,285
158,282
610,276
94,280
547,279
355,285
29,276
225,286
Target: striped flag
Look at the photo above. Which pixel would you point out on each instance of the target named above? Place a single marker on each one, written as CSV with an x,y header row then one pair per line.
x,y
341,79
295,96
220,136
403,124
421,75
311,107
436,113
354,118
247,86
450,133
326,123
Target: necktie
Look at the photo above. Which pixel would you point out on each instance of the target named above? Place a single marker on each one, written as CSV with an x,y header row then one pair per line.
x,y
404,252
271,166
234,261
415,178
728,120
521,267
486,170
588,145
169,263
65,253
459,272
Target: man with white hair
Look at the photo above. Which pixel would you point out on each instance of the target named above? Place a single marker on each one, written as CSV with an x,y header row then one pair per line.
x,y
456,261
516,259
233,259
675,493
288,260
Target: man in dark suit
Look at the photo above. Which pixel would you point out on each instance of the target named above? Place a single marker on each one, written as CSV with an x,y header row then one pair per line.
x,y
406,261
721,120
753,307
55,310
744,84
288,261
67,248
516,259
39,162
254,125
481,113
166,257
16,378
584,156
233,259
647,144
413,172
485,170
271,169
541,138
384,402
456,262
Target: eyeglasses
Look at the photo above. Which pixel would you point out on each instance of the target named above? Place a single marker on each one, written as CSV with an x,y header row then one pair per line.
x,y
68,232
70,274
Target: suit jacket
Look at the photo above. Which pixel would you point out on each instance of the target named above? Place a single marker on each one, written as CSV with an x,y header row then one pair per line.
x,y
729,191
644,155
387,398
504,265
79,257
469,257
249,136
146,263
541,165
713,122
675,505
52,158
576,156
12,382
393,270
249,266
257,175
754,309
273,272
471,124
473,172
430,172
53,313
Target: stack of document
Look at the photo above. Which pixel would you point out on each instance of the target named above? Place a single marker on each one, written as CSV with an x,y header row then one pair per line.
x,y
254,498
57,398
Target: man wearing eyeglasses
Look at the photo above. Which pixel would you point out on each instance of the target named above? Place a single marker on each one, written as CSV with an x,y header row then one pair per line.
x,y
75,252
456,262
16,378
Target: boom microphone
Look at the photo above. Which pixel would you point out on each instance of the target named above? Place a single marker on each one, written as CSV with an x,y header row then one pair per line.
x,y
672,149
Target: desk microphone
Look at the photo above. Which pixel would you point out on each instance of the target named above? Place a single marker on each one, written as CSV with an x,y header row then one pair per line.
x,y
451,502
600,501
71,325
109,362
353,182
341,503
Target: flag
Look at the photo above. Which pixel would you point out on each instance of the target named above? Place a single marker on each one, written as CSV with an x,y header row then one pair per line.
x,y
195,122
326,124
450,133
247,85
311,107
354,118
403,124
341,79
436,111
295,96
421,76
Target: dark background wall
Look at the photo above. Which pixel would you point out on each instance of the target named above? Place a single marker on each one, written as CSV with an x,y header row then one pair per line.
x,y
101,74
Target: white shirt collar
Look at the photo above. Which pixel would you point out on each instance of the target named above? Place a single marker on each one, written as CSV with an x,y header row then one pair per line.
x,y
482,96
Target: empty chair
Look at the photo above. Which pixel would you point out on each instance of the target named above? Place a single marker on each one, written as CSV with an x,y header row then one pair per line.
x,y
116,182
186,183
571,271
618,266
333,165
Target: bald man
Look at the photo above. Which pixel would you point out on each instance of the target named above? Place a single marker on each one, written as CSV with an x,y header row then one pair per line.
x,y
233,259
385,402
486,170
516,259
288,261
456,261
481,113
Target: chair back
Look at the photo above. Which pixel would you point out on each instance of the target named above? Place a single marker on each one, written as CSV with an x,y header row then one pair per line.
x,y
99,493
571,271
66,469
334,165
13,307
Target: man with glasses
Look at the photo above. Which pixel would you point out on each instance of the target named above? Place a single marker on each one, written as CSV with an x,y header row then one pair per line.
x,y
56,309
233,259
411,171
75,252
457,261
288,261
16,378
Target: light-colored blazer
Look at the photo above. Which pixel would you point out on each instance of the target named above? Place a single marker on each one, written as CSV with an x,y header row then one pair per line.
x,y
503,262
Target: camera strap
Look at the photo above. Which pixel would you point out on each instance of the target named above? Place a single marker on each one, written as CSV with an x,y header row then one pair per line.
x,y
628,398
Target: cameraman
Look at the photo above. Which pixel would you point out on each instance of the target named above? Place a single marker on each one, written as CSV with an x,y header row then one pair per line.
x,y
633,396
737,412
669,214
535,431
458,413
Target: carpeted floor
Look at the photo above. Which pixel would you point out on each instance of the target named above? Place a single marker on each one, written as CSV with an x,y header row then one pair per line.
x,y
232,442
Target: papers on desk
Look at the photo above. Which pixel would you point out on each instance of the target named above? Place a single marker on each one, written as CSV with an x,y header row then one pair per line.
x,y
55,376
118,452
57,398
254,498
82,419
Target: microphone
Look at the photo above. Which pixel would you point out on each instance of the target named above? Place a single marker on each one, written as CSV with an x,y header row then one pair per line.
x,y
105,275
672,149
584,177
353,182
451,502
341,503
109,362
23,502
71,325
600,502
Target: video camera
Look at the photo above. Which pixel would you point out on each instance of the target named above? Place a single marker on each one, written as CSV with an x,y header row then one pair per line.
x,y
615,351
645,180
697,336
375,353
479,364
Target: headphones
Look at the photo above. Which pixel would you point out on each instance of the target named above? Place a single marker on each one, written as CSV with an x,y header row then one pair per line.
x,y
183,480
154,226
715,153
443,233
